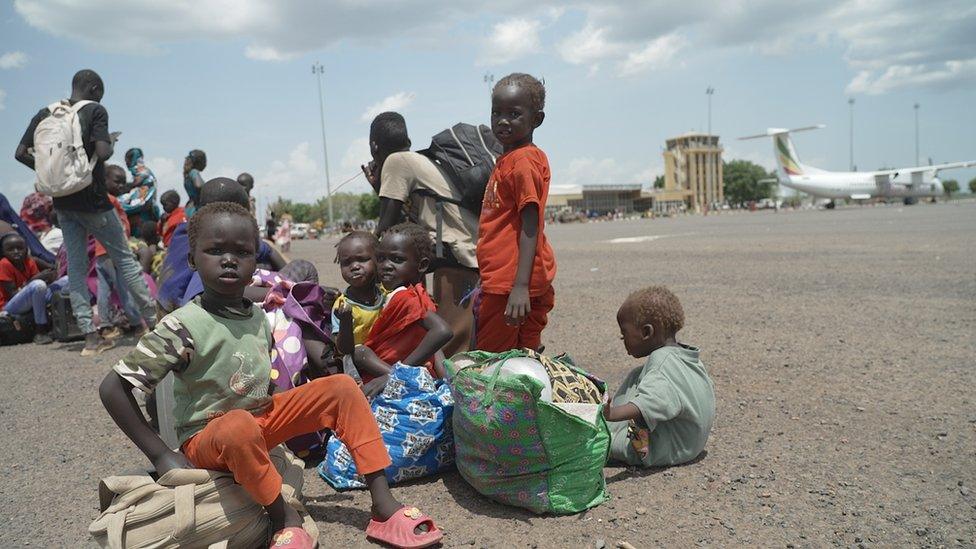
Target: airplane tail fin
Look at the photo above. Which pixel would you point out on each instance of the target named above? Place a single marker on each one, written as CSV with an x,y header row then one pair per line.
x,y
783,150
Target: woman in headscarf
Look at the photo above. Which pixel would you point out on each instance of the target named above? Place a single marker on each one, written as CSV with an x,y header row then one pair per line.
x,y
139,202
196,162
36,212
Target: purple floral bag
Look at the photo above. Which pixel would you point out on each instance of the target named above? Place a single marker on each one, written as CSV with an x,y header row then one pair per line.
x,y
288,307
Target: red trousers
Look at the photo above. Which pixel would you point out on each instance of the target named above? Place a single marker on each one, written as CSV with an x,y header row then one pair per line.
x,y
495,336
239,441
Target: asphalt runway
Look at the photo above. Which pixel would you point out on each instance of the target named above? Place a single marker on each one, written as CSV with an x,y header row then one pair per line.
x,y
842,345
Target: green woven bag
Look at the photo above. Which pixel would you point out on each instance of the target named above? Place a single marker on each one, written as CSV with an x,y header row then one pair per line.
x,y
519,450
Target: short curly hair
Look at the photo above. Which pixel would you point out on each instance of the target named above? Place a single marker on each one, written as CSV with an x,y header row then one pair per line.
x,y
658,306
536,89
422,243
208,212
353,235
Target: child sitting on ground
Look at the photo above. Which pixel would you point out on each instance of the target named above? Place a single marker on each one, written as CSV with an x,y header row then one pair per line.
x,y
23,287
663,412
355,311
408,329
173,215
517,264
228,415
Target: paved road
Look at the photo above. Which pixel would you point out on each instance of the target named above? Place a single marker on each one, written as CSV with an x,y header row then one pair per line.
x,y
842,347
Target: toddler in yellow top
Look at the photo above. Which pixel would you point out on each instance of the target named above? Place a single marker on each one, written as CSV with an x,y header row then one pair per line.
x,y
355,311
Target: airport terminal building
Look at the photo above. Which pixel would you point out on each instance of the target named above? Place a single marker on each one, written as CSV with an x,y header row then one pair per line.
x,y
693,163
692,181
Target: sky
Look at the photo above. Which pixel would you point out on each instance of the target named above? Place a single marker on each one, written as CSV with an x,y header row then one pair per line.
x,y
234,78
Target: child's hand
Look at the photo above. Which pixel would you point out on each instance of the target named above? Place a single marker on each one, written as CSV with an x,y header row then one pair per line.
x,y
344,312
375,386
518,306
171,460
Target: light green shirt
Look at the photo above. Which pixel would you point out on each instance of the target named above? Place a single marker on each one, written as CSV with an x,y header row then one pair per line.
x,y
677,400
221,363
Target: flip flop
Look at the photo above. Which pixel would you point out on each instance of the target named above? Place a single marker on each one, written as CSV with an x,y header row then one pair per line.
x,y
398,530
293,537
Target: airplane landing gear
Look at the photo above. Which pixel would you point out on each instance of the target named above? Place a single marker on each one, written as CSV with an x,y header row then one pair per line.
x,y
910,200
830,205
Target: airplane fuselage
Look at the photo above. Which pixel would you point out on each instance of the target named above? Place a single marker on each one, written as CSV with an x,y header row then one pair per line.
x,y
863,185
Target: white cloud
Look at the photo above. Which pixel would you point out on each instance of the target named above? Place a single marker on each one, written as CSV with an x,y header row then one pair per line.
x,y
266,53
272,30
298,177
13,60
3,97
168,172
357,154
888,43
395,102
587,45
605,171
656,54
912,76
510,40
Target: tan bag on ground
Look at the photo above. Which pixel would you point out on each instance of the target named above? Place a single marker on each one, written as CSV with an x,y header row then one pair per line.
x,y
192,508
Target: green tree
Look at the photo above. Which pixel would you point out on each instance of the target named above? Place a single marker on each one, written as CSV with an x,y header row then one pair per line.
x,y
659,182
345,206
745,181
972,185
369,206
950,186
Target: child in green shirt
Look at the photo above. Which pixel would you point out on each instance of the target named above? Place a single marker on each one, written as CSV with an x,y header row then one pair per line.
x,y
663,412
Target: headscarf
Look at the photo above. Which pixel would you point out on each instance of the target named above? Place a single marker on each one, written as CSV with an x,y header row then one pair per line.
x,y
36,212
142,198
10,217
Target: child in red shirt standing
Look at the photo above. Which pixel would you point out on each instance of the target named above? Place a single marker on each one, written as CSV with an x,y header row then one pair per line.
x,y
517,264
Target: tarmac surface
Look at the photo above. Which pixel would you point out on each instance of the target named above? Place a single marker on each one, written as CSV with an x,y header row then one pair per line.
x,y
842,345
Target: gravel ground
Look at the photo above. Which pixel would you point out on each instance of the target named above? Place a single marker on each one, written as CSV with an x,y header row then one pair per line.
x,y
842,348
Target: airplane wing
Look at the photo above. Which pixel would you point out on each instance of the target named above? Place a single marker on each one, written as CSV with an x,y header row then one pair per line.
x,y
919,169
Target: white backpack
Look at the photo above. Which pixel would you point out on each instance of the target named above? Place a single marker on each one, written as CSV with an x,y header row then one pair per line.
x,y
60,161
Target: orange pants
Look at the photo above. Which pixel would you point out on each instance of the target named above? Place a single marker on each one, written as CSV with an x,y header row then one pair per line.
x,y
495,336
239,441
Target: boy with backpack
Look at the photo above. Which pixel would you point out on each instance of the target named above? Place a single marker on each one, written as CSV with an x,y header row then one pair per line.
x,y
409,181
75,176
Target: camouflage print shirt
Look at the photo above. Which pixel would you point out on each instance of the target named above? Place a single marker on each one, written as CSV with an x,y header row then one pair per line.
x,y
221,363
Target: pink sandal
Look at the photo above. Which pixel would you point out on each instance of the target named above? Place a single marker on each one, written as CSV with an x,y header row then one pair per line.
x,y
398,530
293,537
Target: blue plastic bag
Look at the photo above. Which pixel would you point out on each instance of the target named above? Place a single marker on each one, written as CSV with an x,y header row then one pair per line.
x,y
414,415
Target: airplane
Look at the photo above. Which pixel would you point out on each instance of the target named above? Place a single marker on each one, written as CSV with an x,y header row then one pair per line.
x,y
909,184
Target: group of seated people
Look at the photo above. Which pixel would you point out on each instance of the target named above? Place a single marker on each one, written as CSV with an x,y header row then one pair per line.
x,y
28,281
217,339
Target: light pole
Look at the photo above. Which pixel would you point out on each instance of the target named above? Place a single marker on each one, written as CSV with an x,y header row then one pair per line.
x,y
489,79
318,70
709,91
916,134
851,103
